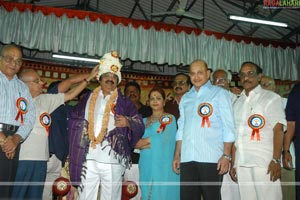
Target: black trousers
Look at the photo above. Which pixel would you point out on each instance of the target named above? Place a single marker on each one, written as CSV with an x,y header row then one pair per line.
x,y
200,179
8,170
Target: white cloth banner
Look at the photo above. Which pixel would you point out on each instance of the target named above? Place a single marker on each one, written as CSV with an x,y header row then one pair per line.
x,y
71,35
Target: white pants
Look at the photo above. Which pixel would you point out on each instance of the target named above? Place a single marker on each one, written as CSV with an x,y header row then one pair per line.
x,y
229,189
254,183
53,172
109,176
133,175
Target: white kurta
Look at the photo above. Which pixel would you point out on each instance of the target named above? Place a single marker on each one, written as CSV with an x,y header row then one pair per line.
x,y
35,147
253,156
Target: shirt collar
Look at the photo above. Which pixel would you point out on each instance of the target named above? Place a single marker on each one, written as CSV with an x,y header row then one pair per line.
x,y
14,78
256,90
207,85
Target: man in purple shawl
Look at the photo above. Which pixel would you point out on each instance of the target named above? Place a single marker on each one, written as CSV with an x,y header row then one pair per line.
x,y
103,129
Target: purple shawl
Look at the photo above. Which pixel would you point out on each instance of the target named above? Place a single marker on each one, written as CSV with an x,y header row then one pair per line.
x,y
122,140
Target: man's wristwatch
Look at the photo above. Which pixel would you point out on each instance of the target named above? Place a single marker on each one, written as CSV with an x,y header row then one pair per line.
x,y
277,161
228,157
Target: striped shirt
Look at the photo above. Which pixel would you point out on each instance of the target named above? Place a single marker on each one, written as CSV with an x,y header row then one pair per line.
x,y
205,143
10,91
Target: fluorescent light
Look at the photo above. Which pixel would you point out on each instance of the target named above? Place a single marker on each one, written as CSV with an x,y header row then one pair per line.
x,y
76,58
259,21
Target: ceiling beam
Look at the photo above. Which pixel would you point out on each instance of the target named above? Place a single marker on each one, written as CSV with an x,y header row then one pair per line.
x,y
292,33
187,9
226,14
171,6
137,4
132,11
270,17
275,30
241,7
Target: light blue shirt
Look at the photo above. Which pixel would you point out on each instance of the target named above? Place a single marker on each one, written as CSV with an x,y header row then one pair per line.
x,y
10,91
205,144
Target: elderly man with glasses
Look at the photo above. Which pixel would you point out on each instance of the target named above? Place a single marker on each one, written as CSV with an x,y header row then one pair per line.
x,y
181,84
260,120
222,78
34,152
17,115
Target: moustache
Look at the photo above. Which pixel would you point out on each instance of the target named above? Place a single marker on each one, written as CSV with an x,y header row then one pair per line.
x,y
132,95
246,82
109,81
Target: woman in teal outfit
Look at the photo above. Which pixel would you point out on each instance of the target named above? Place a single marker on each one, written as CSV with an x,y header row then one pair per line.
x,y
157,179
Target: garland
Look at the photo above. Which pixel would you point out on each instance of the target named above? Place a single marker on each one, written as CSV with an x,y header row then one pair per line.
x,y
103,131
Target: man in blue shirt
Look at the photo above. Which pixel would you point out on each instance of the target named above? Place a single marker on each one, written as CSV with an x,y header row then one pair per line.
x,y
17,116
204,137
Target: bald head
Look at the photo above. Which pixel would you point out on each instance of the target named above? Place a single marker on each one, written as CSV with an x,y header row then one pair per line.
x,y
201,63
199,73
268,83
26,74
8,48
33,81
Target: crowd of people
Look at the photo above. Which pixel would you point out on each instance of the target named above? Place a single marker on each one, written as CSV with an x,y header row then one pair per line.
x,y
211,140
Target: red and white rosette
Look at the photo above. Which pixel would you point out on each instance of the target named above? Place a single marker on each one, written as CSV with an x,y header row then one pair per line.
x,y
129,190
46,120
256,122
61,186
22,106
205,110
164,121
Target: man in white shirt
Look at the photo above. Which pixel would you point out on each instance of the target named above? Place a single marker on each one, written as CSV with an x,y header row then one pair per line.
x,y
259,119
34,152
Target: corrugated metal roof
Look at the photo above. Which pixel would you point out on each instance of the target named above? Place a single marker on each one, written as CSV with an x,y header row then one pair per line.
x,y
215,13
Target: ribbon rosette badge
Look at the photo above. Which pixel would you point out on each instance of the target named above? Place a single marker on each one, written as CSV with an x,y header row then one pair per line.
x,y
46,120
205,110
22,106
256,122
164,121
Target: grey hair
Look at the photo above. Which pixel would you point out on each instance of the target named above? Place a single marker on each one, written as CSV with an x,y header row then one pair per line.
x,y
228,74
23,75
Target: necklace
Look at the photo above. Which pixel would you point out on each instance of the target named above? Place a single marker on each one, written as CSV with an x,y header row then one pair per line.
x,y
152,119
91,120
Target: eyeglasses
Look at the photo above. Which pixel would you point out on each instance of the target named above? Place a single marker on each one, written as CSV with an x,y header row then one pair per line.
x,y
180,83
220,80
249,74
37,81
11,60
